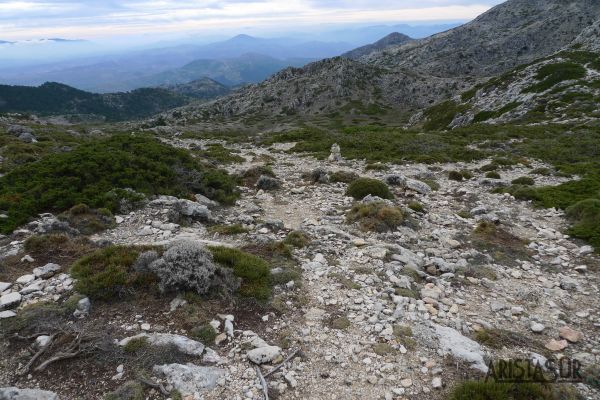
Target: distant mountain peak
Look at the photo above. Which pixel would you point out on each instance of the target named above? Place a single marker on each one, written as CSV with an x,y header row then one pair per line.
x,y
393,39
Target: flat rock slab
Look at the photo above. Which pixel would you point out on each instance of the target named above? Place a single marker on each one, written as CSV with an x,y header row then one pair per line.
x,y
183,344
7,314
190,379
13,393
453,342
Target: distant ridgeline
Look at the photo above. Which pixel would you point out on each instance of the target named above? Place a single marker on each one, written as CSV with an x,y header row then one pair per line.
x,y
58,99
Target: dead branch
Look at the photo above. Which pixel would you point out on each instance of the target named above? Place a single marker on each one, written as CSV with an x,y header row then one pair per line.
x,y
263,382
278,367
57,357
37,355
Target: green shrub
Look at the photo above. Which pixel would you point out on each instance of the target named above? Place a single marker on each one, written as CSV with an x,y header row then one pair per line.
x,y
216,153
363,187
251,175
88,221
489,167
586,221
524,180
343,177
552,74
541,171
455,176
493,175
235,229
297,239
432,183
135,345
108,273
416,206
441,115
466,174
376,216
96,173
254,271
204,333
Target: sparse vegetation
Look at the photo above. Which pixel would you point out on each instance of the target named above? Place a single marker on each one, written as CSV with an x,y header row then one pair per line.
x,y
235,229
416,206
343,176
553,74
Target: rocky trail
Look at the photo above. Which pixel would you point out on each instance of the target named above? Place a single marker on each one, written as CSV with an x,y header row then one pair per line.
x,y
394,315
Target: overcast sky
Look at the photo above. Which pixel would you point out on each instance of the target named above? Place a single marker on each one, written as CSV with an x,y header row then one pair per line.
x,y
89,19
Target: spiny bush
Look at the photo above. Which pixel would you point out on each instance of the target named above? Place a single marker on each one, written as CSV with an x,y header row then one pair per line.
x,y
109,273
254,271
493,175
524,180
94,172
376,216
363,187
189,266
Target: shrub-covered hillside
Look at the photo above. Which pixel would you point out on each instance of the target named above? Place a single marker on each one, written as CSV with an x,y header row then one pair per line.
x,y
55,98
96,174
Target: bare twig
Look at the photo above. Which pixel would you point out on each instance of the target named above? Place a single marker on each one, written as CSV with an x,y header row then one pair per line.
x,y
57,357
155,385
263,382
37,355
277,368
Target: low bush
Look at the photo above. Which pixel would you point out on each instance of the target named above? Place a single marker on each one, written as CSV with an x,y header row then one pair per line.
x,y
218,154
490,390
493,175
88,221
524,180
363,187
254,271
343,176
541,171
235,229
204,333
297,239
586,221
376,167
489,167
251,175
455,176
416,206
376,216
94,172
108,273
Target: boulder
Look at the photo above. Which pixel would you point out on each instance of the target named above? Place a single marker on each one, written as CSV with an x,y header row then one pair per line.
x,y
190,379
47,271
418,186
263,355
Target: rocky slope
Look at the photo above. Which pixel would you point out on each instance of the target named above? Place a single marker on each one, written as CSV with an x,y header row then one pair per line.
x,y
414,75
513,33
562,88
377,316
203,89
